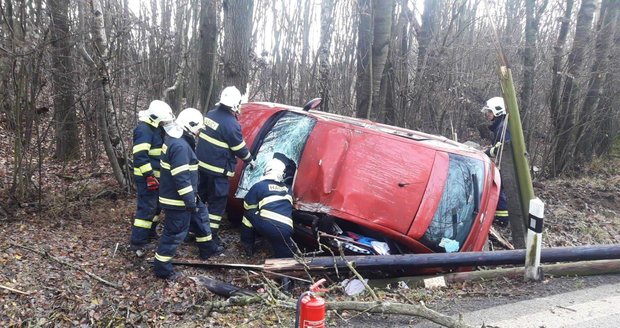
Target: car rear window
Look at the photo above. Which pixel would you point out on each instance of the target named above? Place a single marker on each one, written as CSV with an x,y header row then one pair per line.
x,y
287,136
458,207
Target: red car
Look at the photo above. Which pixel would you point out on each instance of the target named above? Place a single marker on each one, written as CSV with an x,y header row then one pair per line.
x,y
374,188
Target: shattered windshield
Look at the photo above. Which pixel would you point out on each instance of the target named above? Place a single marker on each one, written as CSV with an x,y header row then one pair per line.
x,y
459,205
287,136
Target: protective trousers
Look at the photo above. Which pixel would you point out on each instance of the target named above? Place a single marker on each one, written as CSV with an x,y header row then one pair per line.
x,y
278,234
176,227
147,214
213,189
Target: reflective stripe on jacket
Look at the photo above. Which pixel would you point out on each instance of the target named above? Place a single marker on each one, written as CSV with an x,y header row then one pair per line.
x,y
269,200
179,173
147,143
219,142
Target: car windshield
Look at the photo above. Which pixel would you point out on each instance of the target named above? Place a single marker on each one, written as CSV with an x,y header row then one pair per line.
x,y
287,136
459,205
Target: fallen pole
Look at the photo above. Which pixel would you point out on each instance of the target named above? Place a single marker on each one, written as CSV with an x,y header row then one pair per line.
x,y
384,263
583,268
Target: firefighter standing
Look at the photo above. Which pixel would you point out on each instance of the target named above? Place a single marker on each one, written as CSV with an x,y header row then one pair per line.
x,y
178,194
495,111
268,209
147,142
220,141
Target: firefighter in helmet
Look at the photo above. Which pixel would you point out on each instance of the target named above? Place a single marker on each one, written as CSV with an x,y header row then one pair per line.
x,y
495,111
147,142
178,195
268,210
220,141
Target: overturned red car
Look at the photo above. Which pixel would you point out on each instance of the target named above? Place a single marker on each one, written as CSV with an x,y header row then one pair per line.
x,y
370,187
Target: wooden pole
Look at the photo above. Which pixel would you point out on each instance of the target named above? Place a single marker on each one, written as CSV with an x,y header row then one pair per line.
x,y
533,271
399,264
519,151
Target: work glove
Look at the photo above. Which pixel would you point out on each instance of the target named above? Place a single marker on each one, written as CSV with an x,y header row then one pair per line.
x,y
152,183
252,165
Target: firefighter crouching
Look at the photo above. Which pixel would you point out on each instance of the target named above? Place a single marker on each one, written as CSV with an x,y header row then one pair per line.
x,y
147,143
268,209
219,142
178,194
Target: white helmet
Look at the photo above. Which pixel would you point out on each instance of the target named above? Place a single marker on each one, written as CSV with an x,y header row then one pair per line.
x,y
231,97
274,170
495,105
159,112
190,120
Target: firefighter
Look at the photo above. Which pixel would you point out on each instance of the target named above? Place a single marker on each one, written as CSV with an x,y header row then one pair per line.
x,y
495,111
220,141
178,194
268,209
147,142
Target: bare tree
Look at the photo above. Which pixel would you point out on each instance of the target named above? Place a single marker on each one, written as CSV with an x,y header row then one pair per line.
x,y
564,121
237,31
327,14
207,56
67,142
373,44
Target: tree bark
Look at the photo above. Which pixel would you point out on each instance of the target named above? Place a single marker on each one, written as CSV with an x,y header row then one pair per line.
x,y
237,32
106,116
373,44
207,56
588,117
565,121
327,15
65,118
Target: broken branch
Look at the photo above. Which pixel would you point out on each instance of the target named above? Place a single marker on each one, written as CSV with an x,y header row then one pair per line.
x,y
17,291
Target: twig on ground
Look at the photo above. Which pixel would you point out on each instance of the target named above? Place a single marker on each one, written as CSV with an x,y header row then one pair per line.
x,y
17,291
358,275
115,249
71,265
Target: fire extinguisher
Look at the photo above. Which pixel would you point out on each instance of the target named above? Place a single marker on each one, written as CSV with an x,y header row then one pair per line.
x,y
311,308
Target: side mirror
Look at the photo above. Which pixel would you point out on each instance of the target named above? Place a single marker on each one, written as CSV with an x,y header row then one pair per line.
x,y
312,104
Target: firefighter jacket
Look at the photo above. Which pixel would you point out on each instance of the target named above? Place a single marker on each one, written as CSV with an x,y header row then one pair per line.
x,y
219,142
497,127
268,200
179,173
147,141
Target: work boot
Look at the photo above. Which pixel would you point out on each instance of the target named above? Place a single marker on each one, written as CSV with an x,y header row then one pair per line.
x,y
248,249
501,221
215,251
190,237
138,250
173,277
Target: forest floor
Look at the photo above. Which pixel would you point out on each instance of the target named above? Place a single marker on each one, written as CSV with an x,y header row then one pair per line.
x,y
50,254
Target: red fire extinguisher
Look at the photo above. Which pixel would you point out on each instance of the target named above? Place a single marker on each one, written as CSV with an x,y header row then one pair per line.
x,y
311,308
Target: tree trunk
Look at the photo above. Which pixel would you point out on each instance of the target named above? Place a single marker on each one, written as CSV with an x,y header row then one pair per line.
x,y
363,85
327,15
373,44
112,142
66,138
565,121
237,32
588,116
529,62
207,56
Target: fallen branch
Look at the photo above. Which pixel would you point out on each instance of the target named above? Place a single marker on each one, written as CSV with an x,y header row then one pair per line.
x,y
17,291
500,238
401,309
45,254
369,307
